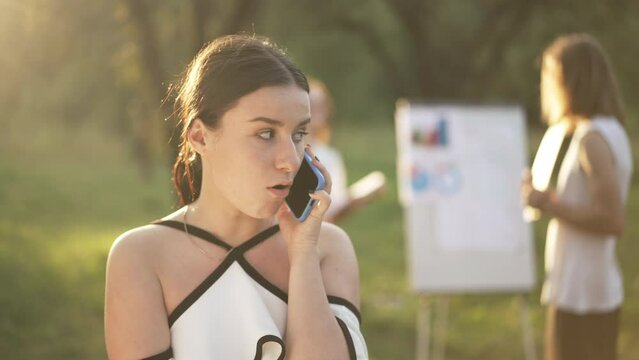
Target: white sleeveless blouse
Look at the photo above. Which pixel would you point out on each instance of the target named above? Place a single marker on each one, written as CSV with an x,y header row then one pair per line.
x,y
235,313
582,274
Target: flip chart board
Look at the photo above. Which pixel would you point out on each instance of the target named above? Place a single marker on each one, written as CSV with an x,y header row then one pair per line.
x,y
459,174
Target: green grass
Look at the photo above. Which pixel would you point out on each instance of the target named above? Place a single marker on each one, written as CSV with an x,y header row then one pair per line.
x,y
64,197
64,200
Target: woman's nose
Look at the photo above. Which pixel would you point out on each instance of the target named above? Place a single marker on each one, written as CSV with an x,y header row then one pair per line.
x,y
288,156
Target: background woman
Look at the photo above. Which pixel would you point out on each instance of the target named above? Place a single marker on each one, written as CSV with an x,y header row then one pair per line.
x,y
583,287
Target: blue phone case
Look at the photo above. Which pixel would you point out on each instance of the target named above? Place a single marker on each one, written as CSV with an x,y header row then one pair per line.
x,y
320,186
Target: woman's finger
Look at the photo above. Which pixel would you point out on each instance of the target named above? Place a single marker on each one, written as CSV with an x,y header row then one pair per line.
x,y
323,199
328,182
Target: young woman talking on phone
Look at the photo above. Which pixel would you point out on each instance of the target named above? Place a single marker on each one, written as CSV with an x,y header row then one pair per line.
x,y
583,287
233,274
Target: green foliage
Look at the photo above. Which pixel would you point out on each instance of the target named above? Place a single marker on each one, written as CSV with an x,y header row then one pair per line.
x,y
71,60
61,208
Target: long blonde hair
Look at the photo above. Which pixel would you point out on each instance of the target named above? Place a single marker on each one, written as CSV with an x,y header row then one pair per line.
x,y
578,81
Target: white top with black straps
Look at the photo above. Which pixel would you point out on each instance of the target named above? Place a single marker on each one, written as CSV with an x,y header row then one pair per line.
x,y
235,313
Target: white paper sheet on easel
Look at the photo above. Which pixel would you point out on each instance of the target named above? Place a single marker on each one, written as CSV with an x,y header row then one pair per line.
x,y
459,170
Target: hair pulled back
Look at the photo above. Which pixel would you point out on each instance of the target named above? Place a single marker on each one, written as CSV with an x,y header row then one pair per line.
x,y
224,70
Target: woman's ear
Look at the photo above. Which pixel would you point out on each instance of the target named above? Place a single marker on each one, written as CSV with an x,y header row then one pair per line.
x,y
196,136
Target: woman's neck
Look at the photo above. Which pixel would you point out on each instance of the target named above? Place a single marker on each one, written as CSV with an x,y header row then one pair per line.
x,y
218,216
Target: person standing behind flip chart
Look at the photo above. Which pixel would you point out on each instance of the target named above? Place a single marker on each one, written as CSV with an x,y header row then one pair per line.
x,y
583,287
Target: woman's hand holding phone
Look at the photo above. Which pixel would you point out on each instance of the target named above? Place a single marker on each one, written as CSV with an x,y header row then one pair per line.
x,y
301,230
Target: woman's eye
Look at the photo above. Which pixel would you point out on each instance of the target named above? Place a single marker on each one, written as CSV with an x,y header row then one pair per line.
x,y
299,136
266,135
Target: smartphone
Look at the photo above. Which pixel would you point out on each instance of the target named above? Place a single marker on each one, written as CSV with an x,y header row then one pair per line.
x,y
308,179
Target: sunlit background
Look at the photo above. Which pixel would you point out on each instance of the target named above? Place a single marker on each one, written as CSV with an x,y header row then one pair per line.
x,y
85,122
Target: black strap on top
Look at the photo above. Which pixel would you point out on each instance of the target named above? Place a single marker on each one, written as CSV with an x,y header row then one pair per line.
x,y
258,238
205,235
561,155
196,231
164,355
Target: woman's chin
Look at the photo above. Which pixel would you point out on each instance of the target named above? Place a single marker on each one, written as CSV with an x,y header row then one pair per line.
x,y
268,210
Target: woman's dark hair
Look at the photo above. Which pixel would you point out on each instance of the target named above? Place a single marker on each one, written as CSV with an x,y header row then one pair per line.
x,y
222,72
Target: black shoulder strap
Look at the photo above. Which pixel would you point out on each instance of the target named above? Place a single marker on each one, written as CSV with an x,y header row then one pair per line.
x,y
258,238
195,231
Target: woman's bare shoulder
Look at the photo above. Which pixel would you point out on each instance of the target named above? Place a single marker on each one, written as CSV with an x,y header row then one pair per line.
x,y
138,240
333,232
147,237
135,316
334,243
339,263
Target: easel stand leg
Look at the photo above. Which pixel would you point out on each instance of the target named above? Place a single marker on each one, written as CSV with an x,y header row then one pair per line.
x,y
441,328
423,328
526,329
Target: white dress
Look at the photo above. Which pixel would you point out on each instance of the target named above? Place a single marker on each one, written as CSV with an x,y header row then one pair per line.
x,y
235,313
582,274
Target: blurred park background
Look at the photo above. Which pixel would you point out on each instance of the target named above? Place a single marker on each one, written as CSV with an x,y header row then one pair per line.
x,y
84,150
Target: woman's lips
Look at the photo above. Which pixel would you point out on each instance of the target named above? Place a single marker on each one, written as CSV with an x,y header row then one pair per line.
x,y
280,192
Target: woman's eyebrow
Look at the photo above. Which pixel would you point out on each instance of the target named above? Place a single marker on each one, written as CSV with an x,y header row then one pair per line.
x,y
275,122
304,122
